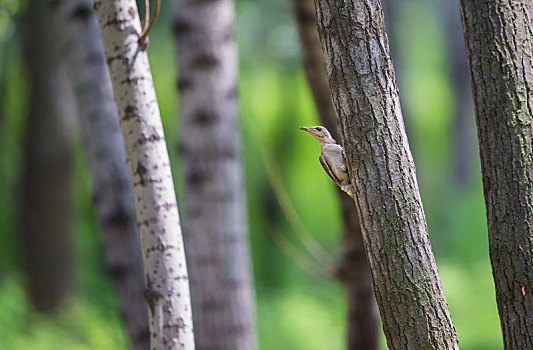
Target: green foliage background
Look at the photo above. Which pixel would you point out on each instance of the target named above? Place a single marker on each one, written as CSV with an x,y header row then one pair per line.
x,y
296,310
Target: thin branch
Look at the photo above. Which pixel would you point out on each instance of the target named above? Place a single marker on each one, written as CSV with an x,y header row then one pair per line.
x,y
143,38
312,245
146,17
292,253
308,240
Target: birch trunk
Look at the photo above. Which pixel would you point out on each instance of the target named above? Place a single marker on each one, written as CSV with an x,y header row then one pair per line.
x,y
353,269
499,44
211,150
406,282
46,218
167,292
81,45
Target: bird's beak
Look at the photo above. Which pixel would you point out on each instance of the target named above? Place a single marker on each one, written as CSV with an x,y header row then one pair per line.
x,y
305,129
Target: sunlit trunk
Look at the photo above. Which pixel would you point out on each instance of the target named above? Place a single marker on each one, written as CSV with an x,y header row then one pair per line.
x,y
167,282
407,286
82,47
353,269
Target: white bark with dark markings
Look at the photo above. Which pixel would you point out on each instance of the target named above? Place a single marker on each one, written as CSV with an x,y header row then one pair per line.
x,y
167,292
81,45
215,228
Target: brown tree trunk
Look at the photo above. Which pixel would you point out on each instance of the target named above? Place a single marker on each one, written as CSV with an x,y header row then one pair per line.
x,y
353,269
81,45
406,282
392,10
167,280
46,217
5,64
499,44
463,141
215,225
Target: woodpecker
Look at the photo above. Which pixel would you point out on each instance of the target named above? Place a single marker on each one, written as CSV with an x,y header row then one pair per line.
x,y
331,157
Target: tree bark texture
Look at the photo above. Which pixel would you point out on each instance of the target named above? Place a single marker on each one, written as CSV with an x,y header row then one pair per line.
x,y
353,269
46,217
81,45
499,44
167,292
210,145
406,282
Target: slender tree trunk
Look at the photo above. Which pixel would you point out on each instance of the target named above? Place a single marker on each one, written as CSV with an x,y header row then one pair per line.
x,y
46,218
167,292
406,282
499,43
4,66
353,269
463,141
315,65
81,45
392,11
211,150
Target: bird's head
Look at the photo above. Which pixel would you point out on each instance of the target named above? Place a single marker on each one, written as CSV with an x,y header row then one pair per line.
x,y
320,133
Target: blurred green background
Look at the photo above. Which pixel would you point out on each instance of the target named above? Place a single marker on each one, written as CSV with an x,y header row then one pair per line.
x,y
295,309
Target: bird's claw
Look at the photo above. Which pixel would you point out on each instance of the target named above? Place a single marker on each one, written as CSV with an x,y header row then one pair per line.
x,y
348,189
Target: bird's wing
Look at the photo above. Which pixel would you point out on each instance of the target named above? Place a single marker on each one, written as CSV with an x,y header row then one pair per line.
x,y
328,170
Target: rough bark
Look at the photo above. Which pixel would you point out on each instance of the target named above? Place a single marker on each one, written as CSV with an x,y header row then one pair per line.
x,y
499,43
215,228
81,45
353,269
167,292
463,159
46,217
406,282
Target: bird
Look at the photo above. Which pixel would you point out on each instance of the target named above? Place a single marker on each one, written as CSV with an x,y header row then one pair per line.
x,y
331,157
